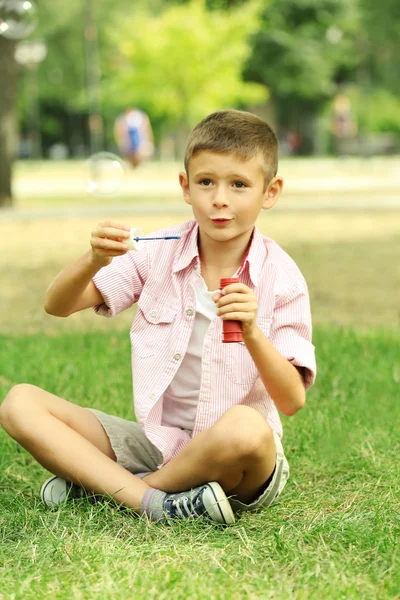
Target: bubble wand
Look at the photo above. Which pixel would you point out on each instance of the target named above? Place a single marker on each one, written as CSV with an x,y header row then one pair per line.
x,y
137,238
167,237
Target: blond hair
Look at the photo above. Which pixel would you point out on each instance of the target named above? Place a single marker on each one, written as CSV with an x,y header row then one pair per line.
x,y
235,132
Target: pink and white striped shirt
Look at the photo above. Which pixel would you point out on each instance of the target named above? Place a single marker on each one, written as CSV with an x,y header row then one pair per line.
x,y
160,278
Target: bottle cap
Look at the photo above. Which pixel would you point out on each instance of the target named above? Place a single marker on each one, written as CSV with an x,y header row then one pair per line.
x,y
227,281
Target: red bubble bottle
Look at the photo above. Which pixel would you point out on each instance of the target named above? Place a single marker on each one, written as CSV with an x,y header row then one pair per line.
x,y
232,330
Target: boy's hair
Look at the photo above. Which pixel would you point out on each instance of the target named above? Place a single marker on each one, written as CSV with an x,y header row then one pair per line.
x,y
238,132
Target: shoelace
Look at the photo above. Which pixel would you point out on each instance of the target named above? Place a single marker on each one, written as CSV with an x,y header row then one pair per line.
x,y
177,506
184,507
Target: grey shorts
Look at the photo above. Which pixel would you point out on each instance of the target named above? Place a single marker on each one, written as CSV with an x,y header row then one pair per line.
x,y
137,454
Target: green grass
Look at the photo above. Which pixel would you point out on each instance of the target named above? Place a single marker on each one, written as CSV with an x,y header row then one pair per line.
x,y
332,534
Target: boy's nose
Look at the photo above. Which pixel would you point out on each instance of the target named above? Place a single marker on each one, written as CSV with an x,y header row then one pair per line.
x,y
220,197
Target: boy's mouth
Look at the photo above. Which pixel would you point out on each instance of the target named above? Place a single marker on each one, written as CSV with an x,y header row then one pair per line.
x,y
221,221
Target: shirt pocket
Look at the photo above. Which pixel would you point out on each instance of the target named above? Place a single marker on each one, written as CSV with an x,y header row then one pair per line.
x,y
241,368
152,327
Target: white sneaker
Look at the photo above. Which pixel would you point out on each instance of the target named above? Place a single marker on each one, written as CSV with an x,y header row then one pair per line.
x,y
56,490
208,500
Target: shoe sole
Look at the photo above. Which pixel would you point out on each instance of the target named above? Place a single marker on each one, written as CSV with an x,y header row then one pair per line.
x,y
217,504
48,502
54,497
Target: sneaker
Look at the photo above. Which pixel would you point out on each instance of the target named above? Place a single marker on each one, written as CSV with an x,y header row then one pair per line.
x,y
208,499
56,490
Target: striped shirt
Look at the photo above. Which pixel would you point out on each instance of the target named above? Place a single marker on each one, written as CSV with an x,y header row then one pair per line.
x,y
161,279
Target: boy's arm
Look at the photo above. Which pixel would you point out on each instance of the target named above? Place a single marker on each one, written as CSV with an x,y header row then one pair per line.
x,y
73,289
286,364
281,379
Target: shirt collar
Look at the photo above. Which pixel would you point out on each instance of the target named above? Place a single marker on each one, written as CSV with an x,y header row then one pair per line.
x,y
255,256
188,250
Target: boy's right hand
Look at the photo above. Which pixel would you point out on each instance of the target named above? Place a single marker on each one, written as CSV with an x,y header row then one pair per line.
x,y
107,241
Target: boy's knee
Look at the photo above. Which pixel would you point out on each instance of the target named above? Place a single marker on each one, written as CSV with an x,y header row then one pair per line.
x,y
14,404
245,431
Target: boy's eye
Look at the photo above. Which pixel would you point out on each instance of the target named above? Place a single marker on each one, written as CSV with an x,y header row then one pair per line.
x,y
207,183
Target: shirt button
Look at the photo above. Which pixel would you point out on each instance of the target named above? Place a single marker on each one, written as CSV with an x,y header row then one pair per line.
x,y
189,312
153,313
177,356
153,396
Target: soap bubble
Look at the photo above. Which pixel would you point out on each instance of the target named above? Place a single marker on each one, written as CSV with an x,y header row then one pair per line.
x,y
106,173
17,18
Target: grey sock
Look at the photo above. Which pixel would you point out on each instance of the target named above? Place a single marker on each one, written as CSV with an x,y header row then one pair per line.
x,y
152,504
141,475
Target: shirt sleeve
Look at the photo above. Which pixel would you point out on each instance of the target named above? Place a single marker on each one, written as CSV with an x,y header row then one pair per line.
x,y
121,282
291,332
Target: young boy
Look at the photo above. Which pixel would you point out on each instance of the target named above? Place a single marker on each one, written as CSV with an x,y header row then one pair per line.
x,y
208,435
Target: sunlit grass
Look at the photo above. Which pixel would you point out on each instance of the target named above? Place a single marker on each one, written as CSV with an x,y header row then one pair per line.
x,y
332,535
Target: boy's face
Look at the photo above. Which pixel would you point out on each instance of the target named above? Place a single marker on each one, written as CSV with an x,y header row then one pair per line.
x,y
227,194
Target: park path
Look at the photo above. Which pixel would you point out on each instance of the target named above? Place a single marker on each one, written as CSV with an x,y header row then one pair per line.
x,y
310,185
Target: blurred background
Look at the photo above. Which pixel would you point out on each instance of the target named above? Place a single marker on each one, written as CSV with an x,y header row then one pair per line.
x,y
324,73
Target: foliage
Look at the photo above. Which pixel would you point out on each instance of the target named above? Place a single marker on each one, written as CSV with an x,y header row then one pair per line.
x,y
180,59
184,62
300,46
379,43
376,110
215,4
63,25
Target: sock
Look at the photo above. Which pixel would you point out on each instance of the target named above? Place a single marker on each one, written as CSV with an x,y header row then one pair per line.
x,y
152,504
141,475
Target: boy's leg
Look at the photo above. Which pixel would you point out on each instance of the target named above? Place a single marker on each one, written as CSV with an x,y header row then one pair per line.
x,y
68,441
238,452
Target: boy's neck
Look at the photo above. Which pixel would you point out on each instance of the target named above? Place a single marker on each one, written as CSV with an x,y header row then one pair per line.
x,y
221,259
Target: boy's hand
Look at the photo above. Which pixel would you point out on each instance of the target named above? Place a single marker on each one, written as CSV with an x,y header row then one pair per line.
x,y
237,302
107,241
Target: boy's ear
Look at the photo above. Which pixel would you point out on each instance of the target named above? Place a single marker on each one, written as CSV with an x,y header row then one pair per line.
x,y
272,193
184,183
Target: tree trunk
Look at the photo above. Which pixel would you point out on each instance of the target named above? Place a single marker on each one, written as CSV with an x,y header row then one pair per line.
x,y
181,134
8,132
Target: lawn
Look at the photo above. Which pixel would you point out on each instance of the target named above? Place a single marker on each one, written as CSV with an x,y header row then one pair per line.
x,y
332,534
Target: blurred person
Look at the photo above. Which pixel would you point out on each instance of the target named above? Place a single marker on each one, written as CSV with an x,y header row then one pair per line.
x,y
208,436
294,141
134,136
290,142
344,126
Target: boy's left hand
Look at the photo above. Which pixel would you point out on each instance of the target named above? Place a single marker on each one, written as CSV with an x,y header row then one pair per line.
x,y
237,302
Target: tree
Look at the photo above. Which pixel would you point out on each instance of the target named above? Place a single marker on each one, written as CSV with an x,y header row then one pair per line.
x,y
62,75
300,46
8,135
378,43
50,18
184,63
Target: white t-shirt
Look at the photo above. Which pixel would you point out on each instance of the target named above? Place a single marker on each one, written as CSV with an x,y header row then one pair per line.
x,y
181,396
